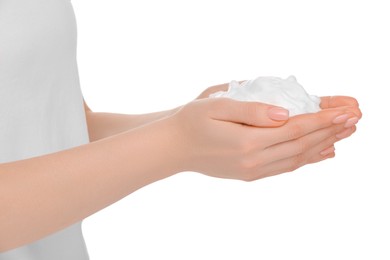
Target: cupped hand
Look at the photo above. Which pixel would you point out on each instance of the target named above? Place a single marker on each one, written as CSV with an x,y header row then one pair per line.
x,y
225,138
327,102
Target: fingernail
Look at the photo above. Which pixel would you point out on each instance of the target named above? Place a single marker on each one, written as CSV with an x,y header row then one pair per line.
x,y
341,119
327,151
278,113
351,122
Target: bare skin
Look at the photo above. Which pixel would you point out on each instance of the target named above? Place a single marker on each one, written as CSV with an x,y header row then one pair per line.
x,y
217,137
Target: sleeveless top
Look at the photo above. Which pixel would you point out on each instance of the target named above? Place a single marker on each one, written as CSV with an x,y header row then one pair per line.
x,y
41,103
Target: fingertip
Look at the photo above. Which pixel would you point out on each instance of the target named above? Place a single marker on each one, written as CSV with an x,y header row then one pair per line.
x,y
328,151
338,101
331,155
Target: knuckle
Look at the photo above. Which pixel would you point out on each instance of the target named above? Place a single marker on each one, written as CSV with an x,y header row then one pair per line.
x,y
246,164
296,162
254,171
303,145
324,118
332,134
329,142
247,144
248,168
252,111
334,130
296,131
249,177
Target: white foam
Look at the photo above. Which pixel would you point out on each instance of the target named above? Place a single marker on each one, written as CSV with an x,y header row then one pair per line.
x,y
286,93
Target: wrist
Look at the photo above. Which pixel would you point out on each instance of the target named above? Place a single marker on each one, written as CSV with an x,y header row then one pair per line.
x,y
174,143
162,143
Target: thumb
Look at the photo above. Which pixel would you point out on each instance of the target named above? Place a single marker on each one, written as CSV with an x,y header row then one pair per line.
x,y
249,113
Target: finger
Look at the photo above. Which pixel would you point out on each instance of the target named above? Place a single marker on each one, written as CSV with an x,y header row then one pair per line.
x,y
322,138
206,93
338,101
213,89
291,164
327,146
341,101
346,133
248,113
329,150
288,165
302,125
325,137
320,152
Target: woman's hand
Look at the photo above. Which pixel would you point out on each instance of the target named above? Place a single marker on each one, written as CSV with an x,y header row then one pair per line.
x,y
326,103
210,90
225,138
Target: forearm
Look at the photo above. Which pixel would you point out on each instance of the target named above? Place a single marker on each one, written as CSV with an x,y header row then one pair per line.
x,y
44,194
102,125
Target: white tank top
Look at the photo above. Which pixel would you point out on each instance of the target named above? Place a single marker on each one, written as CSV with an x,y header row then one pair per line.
x,y
41,104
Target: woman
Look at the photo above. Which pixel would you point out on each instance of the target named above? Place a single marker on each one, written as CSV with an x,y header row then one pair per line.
x,y
61,162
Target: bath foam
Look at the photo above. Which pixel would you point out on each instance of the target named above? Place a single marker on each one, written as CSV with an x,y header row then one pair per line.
x,y
286,93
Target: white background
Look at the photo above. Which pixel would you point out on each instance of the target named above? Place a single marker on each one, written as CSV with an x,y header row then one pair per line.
x,y
150,55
